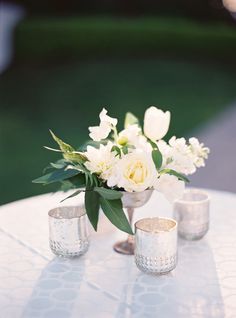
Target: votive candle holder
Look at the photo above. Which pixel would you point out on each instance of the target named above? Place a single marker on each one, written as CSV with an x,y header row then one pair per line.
x,y
68,231
192,214
156,245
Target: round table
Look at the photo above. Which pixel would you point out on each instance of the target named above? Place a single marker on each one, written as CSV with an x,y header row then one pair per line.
x,y
103,284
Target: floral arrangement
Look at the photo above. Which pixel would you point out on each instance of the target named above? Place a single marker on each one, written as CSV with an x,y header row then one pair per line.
x,y
131,160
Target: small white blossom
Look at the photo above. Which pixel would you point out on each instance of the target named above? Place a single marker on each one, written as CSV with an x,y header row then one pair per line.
x,y
199,152
102,131
105,118
170,186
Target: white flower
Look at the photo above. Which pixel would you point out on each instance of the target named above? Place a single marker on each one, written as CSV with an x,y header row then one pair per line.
x,y
199,152
180,157
170,186
105,118
156,123
101,161
132,135
102,131
134,172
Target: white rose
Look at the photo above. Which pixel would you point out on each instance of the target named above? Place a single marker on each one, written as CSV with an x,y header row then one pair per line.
x,y
156,123
170,186
101,161
102,131
134,172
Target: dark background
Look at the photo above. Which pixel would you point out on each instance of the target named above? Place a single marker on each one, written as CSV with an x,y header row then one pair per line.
x,y
71,58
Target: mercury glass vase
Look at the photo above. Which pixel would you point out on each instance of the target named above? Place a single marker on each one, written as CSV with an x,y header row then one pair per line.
x,y
192,214
130,201
156,245
68,231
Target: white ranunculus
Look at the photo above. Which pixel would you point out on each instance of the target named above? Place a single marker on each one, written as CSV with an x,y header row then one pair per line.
x,y
102,131
156,123
101,161
170,186
134,172
132,135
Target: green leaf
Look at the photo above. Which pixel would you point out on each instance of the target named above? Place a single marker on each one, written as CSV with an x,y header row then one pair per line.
x,y
130,119
117,150
75,156
92,207
114,212
52,149
125,150
57,175
157,158
60,164
77,181
108,194
152,143
72,195
174,173
63,146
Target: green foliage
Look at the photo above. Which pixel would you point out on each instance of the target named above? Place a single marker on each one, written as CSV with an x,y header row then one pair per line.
x,y
174,173
72,195
63,146
157,158
56,176
92,207
108,194
114,212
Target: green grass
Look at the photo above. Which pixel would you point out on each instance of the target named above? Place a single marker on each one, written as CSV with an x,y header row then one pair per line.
x,y
50,38
68,98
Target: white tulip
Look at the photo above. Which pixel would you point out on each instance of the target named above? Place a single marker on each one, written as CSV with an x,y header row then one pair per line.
x,y
156,123
134,172
170,186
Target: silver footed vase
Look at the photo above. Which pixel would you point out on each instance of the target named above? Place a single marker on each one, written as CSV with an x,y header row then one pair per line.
x,y
131,200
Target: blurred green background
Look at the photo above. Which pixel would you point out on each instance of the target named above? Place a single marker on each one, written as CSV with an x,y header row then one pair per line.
x,y
66,68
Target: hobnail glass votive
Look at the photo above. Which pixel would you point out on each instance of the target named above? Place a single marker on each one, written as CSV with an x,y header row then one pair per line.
x,y
156,245
192,214
68,231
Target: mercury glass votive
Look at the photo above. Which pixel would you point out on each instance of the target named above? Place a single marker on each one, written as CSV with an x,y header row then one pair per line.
x,y
68,231
192,214
156,245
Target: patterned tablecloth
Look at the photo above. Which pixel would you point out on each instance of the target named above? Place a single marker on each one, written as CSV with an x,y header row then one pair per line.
x,y
103,284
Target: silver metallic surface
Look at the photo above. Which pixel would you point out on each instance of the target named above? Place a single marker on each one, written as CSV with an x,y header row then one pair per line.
x,y
68,231
156,245
130,201
192,214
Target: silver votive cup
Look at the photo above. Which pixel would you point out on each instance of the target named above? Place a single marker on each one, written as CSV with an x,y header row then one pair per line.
x,y
68,231
156,245
192,214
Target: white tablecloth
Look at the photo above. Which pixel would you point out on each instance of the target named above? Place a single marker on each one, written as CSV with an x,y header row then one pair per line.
x,y
103,284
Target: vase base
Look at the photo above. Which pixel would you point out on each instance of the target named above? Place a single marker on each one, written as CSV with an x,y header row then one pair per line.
x,y
124,247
